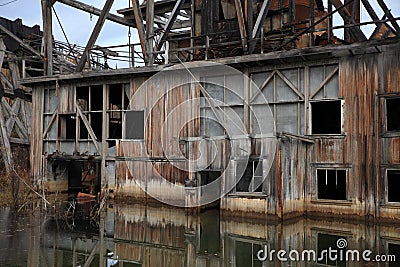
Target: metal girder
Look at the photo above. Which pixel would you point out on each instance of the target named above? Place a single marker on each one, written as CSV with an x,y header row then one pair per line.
x,y
95,11
95,34
170,22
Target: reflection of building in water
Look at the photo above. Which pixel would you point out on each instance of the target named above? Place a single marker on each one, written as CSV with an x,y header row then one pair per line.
x,y
153,236
335,105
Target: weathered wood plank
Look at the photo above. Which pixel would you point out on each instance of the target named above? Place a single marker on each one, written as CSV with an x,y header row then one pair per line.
x,y
242,26
95,11
5,143
324,82
52,120
140,28
89,128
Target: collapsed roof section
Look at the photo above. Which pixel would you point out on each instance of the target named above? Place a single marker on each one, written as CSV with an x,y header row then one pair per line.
x,y
171,31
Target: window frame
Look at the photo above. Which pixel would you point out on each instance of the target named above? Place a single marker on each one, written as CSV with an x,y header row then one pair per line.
x,y
386,132
326,168
391,203
310,114
263,184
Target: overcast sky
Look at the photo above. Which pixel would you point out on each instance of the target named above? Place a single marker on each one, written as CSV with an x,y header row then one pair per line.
x,y
78,25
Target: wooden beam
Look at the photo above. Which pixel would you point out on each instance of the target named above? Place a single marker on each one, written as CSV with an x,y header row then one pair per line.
x,y
150,30
89,129
389,15
20,129
11,118
5,142
52,120
47,42
294,37
95,11
324,82
95,34
375,17
2,51
140,28
170,22
356,32
14,69
21,43
259,23
242,25
290,84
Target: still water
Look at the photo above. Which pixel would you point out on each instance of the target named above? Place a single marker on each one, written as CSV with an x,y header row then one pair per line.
x,y
136,235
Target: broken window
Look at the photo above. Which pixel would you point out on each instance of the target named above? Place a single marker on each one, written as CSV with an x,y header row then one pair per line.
x,y
326,243
135,125
90,101
331,184
393,114
326,117
66,126
251,179
393,185
118,104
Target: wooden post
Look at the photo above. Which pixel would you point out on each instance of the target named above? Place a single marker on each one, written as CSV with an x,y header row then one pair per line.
x,y
95,34
150,30
354,8
5,141
47,41
242,25
140,28
312,21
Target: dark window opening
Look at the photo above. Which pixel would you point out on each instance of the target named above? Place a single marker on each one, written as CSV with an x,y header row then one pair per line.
x,y
96,98
67,127
82,97
83,132
325,242
250,181
115,126
209,176
115,97
326,117
331,184
393,185
393,114
134,125
394,249
126,102
96,124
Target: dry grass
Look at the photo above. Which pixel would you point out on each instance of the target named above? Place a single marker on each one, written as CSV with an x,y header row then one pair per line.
x,y
14,191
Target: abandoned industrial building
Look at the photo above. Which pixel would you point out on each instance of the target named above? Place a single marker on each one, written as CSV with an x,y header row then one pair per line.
x,y
335,103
